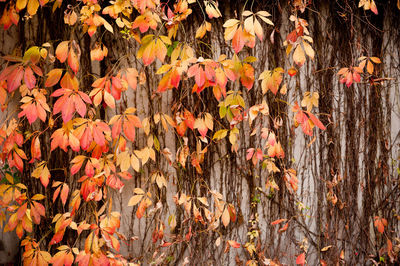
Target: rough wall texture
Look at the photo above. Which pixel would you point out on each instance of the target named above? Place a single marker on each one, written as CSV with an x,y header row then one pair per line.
x,y
360,145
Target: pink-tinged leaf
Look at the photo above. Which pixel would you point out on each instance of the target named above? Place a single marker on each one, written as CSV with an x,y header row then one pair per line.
x,y
62,51
193,70
67,110
29,78
250,153
56,193
201,127
80,106
131,77
373,7
316,121
85,97
98,137
35,149
200,77
14,80
64,193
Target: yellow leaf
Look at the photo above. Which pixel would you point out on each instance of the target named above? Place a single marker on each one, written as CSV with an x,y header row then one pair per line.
x,y
220,134
123,160
376,60
225,217
165,40
38,197
106,25
9,178
309,50
160,180
21,4
298,56
146,125
135,163
249,25
203,200
135,200
230,23
247,13
370,67
258,29
326,248
33,7
208,119
310,100
138,190
201,31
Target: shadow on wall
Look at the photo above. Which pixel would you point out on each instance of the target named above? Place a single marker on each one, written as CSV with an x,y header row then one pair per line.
x,y
9,245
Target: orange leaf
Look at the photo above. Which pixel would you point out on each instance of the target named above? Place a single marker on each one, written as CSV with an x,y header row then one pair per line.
x,y
53,77
284,228
233,244
73,61
278,221
62,51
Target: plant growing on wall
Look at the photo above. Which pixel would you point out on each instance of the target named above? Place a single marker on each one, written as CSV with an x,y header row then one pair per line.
x,y
61,209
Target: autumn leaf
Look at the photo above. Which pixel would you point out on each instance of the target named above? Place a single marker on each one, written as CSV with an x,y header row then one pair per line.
x,y
71,101
368,5
42,172
34,107
53,77
301,259
380,224
310,100
233,244
62,51
271,80
278,221
212,9
201,31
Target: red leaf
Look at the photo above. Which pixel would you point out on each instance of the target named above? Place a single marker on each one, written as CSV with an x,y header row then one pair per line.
x,y
316,121
29,78
189,119
301,259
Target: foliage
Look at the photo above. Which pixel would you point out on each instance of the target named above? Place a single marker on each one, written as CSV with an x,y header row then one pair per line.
x,y
46,80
